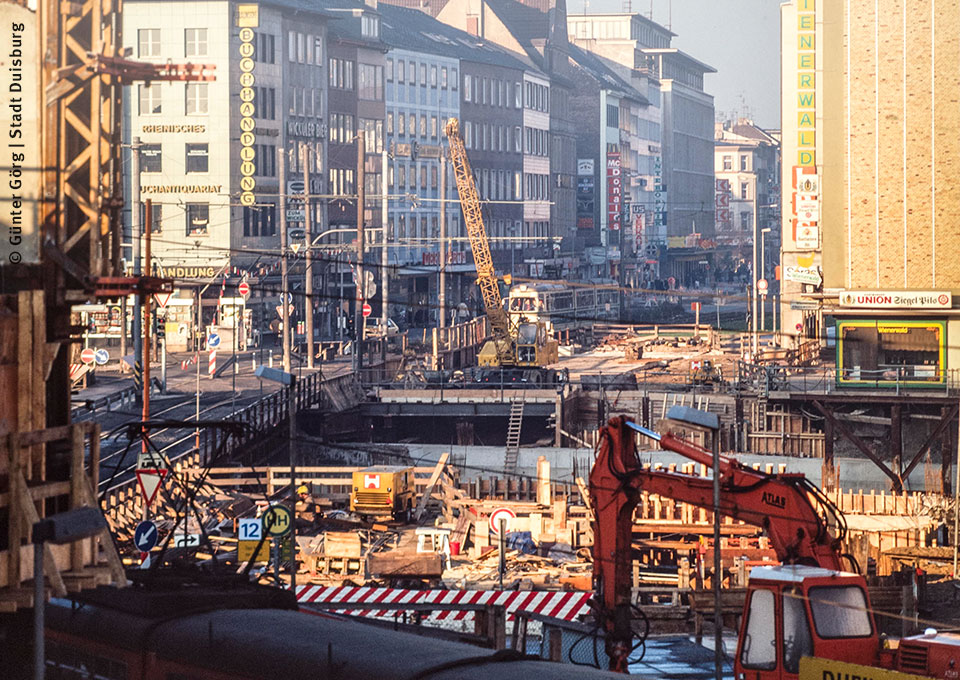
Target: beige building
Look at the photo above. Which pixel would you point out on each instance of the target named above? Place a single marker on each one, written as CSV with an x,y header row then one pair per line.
x,y
871,152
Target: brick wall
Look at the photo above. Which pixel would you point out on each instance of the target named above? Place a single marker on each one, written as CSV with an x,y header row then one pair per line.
x,y
904,143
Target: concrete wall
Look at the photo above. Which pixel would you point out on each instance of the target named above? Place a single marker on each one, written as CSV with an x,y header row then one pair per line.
x,y
487,461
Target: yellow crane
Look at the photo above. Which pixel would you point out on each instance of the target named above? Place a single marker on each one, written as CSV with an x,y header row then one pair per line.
x,y
527,344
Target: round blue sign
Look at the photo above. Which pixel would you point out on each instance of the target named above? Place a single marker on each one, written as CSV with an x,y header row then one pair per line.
x,y
101,356
145,536
213,340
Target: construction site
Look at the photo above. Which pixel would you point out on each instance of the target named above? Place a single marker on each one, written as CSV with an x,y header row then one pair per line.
x,y
561,497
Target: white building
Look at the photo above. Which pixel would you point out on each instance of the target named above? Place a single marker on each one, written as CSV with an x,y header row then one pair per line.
x,y
209,149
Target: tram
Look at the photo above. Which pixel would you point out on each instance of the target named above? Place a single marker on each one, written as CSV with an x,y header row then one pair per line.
x,y
564,307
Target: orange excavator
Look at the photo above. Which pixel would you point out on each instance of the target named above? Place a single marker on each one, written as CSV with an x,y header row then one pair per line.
x,y
808,618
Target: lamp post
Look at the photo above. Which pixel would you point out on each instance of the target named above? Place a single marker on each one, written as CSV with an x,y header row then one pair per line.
x,y
707,422
290,381
763,275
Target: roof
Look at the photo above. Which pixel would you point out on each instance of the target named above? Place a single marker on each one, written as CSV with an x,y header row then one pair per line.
x,y
794,573
281,643
644,20
410,29
681,55
344,28
606,76
386,469
296,5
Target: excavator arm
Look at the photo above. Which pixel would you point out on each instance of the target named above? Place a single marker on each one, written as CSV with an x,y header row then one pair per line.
x,y
473,220
794,514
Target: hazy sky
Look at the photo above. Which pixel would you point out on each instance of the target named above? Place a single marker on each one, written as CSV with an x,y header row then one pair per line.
x,y
739,38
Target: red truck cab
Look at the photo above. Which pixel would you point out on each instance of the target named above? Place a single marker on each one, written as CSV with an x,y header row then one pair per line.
x,y
793,611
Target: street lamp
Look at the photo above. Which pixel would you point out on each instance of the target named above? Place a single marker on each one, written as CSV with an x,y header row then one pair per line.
x,y
290,381
763,275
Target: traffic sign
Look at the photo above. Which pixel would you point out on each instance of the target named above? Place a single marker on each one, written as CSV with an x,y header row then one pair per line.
x,y
243,288
151,460
245,551
88,356
213,340
505,514
186,540
101,356
150,481
277,520
762,285
145,536
249,529
162,299
366,310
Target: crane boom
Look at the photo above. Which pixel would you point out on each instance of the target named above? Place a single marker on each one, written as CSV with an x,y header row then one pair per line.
x,y
473,219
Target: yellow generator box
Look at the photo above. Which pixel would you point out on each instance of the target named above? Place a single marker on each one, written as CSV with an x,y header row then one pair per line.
x,y
383,490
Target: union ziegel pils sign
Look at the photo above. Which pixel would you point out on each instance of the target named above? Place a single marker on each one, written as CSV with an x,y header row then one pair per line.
x,y
897,299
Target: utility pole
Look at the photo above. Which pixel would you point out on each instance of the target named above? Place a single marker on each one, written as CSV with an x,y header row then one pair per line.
x,y
358,321
284,274
308,228
384,259
148,227
753,267
442,297
136,227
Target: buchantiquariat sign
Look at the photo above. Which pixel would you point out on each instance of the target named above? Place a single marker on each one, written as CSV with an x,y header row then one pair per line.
x,y
896,299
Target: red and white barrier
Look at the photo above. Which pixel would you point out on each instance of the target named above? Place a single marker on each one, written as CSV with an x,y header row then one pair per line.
x,y
567,606
212,363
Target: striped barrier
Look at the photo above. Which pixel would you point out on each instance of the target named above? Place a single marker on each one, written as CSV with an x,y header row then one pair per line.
x,y
212,363
566,606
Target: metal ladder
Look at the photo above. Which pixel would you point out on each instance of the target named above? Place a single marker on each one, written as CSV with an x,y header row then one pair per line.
x,y
513,437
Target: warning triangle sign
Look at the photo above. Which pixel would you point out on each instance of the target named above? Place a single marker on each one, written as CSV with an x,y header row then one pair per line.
x,y
150,481
295,247
162,299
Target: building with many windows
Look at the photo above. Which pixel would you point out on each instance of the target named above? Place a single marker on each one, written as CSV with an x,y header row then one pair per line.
x,y
673,142
747,170
422,93
208,150
356,85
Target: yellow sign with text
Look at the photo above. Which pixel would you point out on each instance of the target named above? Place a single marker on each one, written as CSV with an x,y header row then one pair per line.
x,y
248,16
825,669
245,551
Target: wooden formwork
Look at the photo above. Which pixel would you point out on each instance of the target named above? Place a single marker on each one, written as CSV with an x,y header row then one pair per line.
x,y
43,470
31,494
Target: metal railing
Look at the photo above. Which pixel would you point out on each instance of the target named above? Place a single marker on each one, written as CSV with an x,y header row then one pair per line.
x,y
764,379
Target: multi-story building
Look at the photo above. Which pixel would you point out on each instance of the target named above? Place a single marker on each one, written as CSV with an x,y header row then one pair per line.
x,y
355,66
422,94
604,103
208,150
747,170
681,161
435,72
538,40
871,144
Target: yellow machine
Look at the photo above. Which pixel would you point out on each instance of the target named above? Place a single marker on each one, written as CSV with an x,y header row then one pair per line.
x,y
703,372
526,345
383,490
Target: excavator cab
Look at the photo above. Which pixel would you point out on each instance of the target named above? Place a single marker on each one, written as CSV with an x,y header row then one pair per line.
x,y
795,611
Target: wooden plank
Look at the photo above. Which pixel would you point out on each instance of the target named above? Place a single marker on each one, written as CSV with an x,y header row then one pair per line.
x,y
397,563
15,525
106,541
49,563
425,497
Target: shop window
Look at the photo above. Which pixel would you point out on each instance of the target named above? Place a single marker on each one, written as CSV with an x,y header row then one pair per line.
x,y
888,353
